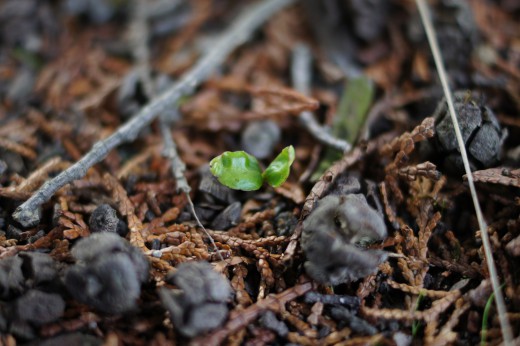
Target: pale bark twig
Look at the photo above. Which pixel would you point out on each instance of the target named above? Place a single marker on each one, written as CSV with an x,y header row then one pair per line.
x,y
301,76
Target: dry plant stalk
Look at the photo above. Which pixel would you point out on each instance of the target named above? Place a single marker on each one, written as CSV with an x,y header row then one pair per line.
x,y
417,290
446,334
431,314
499,299
74,225
406,141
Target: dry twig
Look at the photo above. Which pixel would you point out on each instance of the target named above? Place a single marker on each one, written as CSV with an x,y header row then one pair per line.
x,y
28,213
243,317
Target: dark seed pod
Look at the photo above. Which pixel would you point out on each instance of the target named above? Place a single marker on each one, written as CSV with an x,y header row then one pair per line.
x,y
38,268
38,307
11,277
334,237
108,273
199,305
481,132
270,321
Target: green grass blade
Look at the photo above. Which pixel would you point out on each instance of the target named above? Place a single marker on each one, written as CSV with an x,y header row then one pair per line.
x,y
352,111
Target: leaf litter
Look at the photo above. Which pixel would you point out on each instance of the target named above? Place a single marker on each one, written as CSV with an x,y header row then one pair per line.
x,y
434,247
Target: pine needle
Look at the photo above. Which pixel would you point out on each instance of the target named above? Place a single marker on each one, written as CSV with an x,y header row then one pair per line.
x,y
190,202
417,324
499,299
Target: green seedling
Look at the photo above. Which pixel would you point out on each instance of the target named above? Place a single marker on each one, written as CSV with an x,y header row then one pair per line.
x,y
485,318
278,171
239,170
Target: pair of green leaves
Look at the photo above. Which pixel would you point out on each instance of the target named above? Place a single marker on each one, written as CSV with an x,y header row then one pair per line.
x,y
240,171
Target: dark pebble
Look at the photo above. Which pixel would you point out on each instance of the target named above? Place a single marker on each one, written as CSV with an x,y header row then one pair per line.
x,y
285,223
357,324
122,228
13,232
204,214
210,185
14,162
35,237
103,219
228,217
270,321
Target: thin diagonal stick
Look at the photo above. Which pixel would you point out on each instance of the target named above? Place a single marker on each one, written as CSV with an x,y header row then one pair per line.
x,y
432,39
28,214
139,34
178,168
